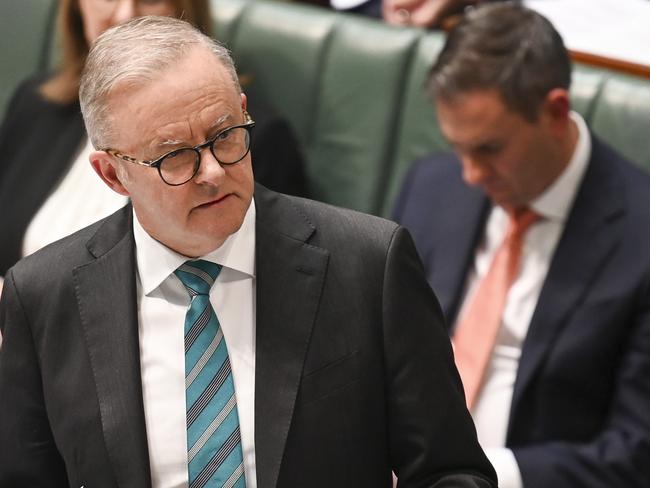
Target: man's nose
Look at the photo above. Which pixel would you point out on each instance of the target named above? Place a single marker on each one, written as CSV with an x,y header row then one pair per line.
x,y
474,171
210,170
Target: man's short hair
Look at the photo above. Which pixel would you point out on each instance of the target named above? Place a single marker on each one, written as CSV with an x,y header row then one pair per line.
x,y
134,53
504,47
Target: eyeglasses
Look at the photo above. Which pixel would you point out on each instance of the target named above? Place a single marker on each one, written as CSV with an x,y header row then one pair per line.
x,y
229,146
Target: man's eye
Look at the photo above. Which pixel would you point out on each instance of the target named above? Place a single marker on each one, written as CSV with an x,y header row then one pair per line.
x,y
488,149
222,136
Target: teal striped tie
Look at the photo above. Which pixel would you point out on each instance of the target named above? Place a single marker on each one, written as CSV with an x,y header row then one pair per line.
x,y
213,437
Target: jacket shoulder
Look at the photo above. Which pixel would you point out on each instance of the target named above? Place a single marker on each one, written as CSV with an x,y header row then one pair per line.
x,y
334,224
54,264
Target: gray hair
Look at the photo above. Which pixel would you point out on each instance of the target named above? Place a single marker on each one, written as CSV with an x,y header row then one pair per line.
x,y
137,52
505,47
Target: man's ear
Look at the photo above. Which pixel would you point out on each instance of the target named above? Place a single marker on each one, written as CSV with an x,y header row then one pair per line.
x,y
557,107
244,101
105,166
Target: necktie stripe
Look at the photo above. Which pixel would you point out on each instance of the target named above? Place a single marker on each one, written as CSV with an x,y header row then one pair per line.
x,y
199,273
207,394
193,293
203,360
217,460
206,376
213,436
235,476
218,420
197,328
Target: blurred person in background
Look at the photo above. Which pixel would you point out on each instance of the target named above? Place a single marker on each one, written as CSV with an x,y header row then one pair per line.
x,y
429,14
47,188
535,238
422,13
418,13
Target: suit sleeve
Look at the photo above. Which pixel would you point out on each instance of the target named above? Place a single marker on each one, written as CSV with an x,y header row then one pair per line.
x,y
620,454
432,438
28,455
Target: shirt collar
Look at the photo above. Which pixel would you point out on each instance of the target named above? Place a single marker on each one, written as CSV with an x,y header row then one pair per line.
x,y
555,202
155,261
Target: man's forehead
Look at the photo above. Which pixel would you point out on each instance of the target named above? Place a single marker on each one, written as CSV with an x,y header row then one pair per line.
x,y
179,105
476,115
199,70
482,102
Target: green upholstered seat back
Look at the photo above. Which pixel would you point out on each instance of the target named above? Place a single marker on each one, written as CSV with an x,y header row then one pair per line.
x,y
25,33
353,90
621,116
338,79
351,87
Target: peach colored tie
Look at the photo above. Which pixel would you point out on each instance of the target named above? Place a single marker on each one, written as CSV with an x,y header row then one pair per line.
x,y
477,328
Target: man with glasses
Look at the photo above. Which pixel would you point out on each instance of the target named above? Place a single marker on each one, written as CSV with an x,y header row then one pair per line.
x,y
214,333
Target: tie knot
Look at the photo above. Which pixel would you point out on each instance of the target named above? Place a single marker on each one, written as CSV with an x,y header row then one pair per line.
x,y
521,219
198,276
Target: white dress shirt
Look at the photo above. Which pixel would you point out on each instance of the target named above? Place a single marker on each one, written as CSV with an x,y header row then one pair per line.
x,y
80,199
162,303
492,409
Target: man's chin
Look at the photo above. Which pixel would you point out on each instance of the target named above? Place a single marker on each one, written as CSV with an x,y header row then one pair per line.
x,y
502,197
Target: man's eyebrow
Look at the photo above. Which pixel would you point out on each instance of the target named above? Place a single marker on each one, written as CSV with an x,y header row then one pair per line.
x,y
169,142
219,121
479,144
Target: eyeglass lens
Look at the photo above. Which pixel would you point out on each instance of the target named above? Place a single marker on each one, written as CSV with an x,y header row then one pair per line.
x,y
229,147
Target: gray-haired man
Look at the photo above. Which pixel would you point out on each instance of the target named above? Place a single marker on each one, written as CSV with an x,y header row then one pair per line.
x,y
204,337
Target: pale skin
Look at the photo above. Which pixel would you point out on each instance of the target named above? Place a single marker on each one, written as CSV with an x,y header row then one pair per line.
x,y
511,158
199,100
99,15
421,13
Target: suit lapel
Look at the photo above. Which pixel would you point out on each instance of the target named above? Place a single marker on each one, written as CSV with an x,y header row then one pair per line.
x,y
290,276
590,236
106,296
460,231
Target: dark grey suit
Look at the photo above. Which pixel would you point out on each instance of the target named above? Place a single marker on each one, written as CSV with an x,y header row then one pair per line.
x,y
354,373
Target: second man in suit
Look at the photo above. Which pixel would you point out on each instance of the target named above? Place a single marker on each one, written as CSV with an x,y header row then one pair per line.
x,y
535,236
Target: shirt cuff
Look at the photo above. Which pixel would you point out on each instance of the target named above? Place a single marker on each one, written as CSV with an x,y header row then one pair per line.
x,y
506,466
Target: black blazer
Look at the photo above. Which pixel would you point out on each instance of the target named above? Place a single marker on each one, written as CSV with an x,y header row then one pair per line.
x,y
354,370
39,139
580,414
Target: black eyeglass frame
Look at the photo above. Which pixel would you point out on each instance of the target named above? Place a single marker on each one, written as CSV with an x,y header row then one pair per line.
x,y
157,163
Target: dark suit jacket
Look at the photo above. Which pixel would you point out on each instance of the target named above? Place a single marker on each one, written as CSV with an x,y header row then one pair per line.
x,y
580,413
39,139
354,371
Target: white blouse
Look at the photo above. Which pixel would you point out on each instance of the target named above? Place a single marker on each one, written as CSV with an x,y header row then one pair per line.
x,y
79,199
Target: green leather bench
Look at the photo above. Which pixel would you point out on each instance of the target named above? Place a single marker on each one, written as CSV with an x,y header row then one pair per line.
x,y
25,35
351,87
